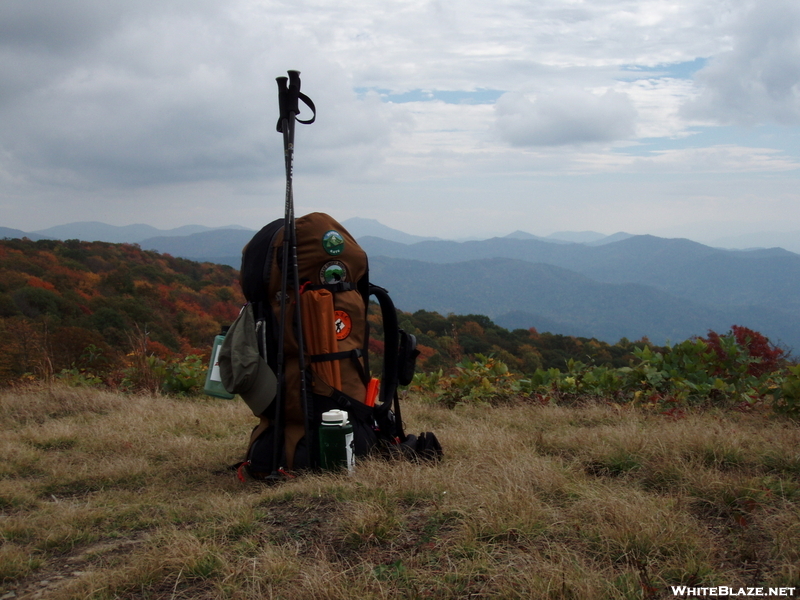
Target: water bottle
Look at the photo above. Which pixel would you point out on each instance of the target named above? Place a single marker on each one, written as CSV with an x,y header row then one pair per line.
x,y
213,386
336,442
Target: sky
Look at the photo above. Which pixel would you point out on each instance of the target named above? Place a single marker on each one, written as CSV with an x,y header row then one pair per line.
x,y
453,119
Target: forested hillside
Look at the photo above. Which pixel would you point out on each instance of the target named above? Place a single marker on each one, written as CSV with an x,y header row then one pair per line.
x,y
87,306
445,340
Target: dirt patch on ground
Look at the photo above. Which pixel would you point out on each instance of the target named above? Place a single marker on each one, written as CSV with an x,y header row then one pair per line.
x,y
315,524
59,571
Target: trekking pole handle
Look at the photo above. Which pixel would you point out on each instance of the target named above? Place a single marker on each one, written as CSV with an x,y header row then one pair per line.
x,y
289,95
294,91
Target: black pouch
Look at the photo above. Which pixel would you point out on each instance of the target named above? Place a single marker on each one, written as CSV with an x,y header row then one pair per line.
x,y
258,462
428,447
406,358
424,447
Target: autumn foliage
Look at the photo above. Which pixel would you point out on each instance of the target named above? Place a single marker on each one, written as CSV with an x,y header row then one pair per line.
x,y
89,307
766,356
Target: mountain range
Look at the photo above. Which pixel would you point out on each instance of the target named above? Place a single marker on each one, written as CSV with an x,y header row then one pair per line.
x,y
94,231
576,283
518,294
9,233
231,245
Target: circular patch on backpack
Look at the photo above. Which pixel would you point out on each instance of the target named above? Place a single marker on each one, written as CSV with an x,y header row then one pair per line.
x,y
332,272
333,242
343,324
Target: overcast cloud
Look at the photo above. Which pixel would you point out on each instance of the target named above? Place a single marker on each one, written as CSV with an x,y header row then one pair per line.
x,y
439,118
757,80
564,116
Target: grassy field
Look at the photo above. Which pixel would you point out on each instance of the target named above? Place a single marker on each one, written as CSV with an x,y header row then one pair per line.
x,y
104,495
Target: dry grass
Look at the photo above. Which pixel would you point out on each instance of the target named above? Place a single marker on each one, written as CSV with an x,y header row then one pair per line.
x,y
110,496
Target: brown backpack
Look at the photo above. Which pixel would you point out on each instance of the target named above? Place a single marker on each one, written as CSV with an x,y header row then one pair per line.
x,y
335,292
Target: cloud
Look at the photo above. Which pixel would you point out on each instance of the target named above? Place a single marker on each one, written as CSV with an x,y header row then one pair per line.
x,y
113,109
51,26
757,80
150,93
563,117
717,159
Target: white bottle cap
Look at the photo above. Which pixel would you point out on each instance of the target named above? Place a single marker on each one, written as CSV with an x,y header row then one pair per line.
x,y
335,417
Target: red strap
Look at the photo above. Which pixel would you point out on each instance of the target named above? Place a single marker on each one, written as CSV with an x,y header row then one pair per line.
x,y
240,471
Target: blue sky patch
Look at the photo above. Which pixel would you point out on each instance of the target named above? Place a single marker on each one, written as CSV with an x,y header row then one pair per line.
x,y
786,140
479,96
682,70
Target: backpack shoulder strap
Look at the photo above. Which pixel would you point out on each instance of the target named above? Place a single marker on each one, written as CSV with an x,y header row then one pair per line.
x,y
256,262
391,338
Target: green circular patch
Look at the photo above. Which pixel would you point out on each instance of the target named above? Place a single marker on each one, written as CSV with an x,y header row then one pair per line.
x,y
333,272
333,242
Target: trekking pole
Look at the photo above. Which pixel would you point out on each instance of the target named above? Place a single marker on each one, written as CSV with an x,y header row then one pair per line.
x,y
288,99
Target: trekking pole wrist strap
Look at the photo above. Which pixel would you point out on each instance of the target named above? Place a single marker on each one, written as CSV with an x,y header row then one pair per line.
x,y
289,95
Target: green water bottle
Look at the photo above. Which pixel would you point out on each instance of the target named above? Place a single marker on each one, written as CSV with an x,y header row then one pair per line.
x,y
336,442
213,386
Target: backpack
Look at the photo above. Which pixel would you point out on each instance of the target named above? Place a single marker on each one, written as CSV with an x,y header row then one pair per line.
x,y
335,294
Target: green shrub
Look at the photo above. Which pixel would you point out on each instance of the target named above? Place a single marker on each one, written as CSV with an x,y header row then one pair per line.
x,y
739,368
786,396
170,376
482,380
